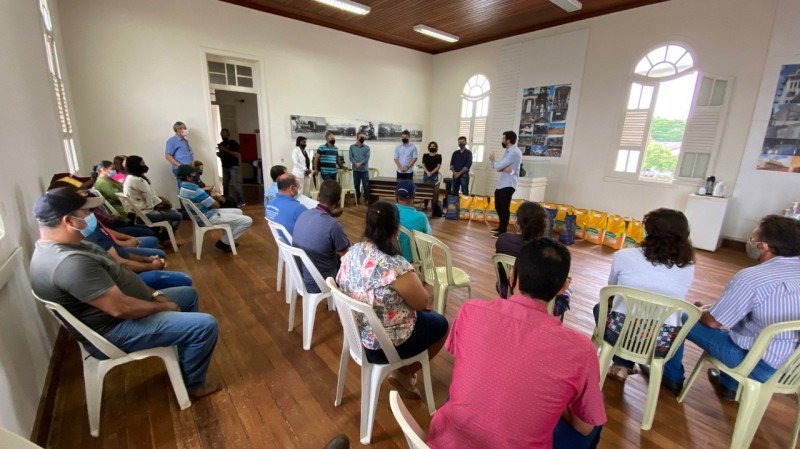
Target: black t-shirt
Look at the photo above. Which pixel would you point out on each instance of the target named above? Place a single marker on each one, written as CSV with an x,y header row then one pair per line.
x,y
430,161
229,160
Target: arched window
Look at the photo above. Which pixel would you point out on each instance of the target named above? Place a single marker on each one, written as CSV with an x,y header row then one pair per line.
x,y
474,113
59,89
673,118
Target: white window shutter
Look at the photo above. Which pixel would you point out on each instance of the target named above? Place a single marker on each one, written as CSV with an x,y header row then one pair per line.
x,y
479,131
634,129
465,127
704,127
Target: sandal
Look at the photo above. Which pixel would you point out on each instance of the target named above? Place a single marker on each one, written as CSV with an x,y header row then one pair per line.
x,y
405,386
620,372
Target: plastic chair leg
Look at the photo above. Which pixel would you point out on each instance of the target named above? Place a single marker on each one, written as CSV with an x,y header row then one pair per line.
x,y
198,242
751,409
796,426
370,388
279,275
440,298
310,303
342,373
230,239
171,235
606,353
653,388
697,369
93,383
176,378
426,378
292,299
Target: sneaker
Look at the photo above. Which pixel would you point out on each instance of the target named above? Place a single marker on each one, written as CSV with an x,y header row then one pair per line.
x,y
723,391
241,204
223,246
495,230
495,235
338,442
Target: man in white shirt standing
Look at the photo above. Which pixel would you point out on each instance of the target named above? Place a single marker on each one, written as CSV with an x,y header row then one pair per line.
x,y
405,156
508,167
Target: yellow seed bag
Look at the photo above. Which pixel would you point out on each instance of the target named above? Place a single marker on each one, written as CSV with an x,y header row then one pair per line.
x,y
464,207
491,214
561,215
580,223
596,226
615,232
479,206
634,234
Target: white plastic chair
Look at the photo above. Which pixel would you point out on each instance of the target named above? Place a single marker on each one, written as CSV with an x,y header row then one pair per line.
x,y
645,314
129,206
372,375
345,178
10,440
442,278
373,173
415,262
507,262
94,370
280,234
201,224
754,396
313,190
415,437
294,257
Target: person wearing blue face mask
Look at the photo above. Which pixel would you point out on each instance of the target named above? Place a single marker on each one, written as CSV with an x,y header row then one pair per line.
x,y
109,298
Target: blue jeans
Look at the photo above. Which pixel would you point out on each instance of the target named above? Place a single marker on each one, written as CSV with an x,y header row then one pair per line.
x,y
160,279
231,187
361,178
461,182
718,343
327,176
194,333
566,437
673,368
144,252
148,242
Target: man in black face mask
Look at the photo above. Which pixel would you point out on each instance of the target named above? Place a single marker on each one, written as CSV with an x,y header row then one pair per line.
x,y
359,157
228,153
326,161
508,167
405,156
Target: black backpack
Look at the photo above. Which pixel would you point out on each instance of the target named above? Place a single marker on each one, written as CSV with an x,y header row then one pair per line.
x,y
437,209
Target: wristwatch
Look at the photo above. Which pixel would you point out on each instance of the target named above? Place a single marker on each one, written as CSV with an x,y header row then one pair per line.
x,y
156,293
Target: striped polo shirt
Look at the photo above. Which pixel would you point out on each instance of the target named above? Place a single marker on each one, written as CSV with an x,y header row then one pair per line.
x,y
327,159
757,297
198,196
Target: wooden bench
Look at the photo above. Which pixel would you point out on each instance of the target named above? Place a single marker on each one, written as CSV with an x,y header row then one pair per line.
x,y
384,186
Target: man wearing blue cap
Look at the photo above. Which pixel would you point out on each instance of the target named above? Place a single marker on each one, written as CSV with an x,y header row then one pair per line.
x,y
410,217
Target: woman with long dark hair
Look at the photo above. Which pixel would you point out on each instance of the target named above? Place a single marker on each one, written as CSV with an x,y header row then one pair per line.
x,y
663,263
375,272
137,188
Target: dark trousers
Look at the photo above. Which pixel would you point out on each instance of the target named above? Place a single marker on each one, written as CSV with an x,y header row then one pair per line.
x,y
361,178
462,182
405,175
502,204
566,437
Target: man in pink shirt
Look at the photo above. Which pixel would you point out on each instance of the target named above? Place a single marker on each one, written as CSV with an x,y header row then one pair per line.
x,y
521,379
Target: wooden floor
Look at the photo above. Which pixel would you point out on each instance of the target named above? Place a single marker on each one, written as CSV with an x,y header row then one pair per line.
x,y
279,396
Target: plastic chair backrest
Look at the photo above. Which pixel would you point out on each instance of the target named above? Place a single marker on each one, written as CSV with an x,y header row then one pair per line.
x,y
279,232
198,217
128,204
471,185
415,437
374,173
506,262
645,315
787,378
69,321
425,246
345,180
314,183
347,308
410,235
10,440
298,254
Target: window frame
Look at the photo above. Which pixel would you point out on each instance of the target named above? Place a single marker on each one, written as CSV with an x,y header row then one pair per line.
x,y
635,177
467,125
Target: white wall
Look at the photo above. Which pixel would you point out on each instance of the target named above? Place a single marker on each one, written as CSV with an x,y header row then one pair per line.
x,y
32,153
759,192
136,67
729,37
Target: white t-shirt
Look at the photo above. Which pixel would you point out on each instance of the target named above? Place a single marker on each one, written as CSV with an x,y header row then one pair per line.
x,y
631,269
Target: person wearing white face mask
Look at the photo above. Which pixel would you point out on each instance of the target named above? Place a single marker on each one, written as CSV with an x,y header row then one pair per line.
x,y
755,298
178,151
285,207
301,164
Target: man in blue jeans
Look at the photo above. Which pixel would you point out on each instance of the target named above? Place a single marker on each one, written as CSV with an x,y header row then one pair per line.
x,y
359,157
755,298
460,163
112,300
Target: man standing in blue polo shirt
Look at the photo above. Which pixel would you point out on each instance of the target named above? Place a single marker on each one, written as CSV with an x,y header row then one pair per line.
x,y
405,156
508,167
410,217
178,151
359,157
285,208
326,161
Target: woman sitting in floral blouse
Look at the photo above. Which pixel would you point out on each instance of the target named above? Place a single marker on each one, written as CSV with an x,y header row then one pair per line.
x,y
375,272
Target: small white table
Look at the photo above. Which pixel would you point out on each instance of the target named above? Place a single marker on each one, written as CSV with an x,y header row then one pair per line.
x,y
706,215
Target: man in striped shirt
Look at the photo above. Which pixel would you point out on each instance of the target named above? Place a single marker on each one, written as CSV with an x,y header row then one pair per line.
x,y
755,298
210,207
326,161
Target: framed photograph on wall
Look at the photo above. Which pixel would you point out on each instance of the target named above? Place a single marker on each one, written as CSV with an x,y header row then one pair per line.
x,y
781,148
543,120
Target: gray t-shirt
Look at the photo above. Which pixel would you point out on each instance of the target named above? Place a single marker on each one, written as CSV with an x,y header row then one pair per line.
x,y
74,275
321,236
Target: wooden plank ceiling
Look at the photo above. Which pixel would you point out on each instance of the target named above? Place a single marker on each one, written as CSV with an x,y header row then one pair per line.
x,y
473,21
